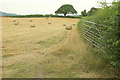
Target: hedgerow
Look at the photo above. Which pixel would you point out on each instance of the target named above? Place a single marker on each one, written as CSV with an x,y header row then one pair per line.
x,y
38,15
109,16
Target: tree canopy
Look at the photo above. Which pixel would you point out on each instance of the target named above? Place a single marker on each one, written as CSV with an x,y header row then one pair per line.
x,y
66,9
84,13
92,11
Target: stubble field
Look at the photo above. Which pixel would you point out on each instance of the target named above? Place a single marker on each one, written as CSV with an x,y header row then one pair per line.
x,y
22,43
48,50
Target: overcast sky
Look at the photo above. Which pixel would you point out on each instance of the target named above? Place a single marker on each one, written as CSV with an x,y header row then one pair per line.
x,y
44,6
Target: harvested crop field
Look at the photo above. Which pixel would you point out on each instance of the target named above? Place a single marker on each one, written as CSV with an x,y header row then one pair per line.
x,y
21,39
43,48
22,43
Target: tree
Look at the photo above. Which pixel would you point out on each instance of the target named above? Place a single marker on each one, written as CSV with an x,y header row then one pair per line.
x,y
83,13
92,11
103,3
66,9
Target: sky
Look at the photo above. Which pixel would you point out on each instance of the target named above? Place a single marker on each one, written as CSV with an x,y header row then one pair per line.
x,y
24,7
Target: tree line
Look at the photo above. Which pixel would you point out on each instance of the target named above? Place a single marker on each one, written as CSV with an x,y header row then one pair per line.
x,y
90,13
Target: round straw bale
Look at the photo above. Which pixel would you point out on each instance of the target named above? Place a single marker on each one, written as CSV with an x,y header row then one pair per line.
x,y
64,24
32,25
68,27
14,20
74,24
49,22
16,23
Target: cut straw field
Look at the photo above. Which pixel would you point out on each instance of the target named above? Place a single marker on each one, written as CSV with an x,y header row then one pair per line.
x,y
47,50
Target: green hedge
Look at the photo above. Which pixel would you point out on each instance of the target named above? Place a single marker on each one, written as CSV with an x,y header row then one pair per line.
x,y
110,18
29,16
